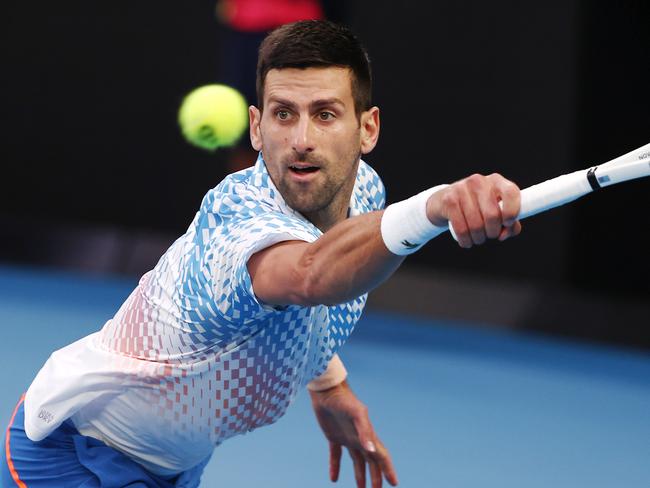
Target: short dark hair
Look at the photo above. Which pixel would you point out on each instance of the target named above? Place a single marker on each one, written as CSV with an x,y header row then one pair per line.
x,y
316,43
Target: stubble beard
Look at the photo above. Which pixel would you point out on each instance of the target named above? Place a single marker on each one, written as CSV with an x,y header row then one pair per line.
x,y
311,199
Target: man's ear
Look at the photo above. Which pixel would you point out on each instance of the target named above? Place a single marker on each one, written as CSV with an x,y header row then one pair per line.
x,y
255,117
369,129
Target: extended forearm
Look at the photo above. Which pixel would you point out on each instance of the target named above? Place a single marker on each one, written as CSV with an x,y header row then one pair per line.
x,y
349,260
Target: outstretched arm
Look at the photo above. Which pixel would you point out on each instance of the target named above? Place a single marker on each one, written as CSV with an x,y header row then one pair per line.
x,y
351,258
344,263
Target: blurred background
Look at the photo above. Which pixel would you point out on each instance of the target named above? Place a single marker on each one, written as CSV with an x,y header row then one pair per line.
x,y
522,363
99,180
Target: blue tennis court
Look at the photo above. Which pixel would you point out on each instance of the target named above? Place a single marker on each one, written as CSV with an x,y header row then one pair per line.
x,y
457,405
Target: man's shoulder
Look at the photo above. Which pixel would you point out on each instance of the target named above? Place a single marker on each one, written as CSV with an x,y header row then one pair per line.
x,y
239,194
247,205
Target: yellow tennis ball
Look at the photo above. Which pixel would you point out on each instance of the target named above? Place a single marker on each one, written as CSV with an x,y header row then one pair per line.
x,y
213,116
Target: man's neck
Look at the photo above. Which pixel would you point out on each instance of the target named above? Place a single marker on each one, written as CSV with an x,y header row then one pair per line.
x,y
327,218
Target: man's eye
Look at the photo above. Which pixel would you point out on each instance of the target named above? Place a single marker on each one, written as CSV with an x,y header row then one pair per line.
x,y
326,115
282,114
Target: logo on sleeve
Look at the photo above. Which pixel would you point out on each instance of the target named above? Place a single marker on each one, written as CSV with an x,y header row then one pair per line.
x,y
409,245
45,416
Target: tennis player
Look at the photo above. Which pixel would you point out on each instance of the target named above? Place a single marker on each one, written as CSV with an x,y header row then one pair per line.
x,y
253,302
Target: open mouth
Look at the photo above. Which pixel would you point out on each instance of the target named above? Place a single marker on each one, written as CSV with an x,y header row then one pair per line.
x,y
303,170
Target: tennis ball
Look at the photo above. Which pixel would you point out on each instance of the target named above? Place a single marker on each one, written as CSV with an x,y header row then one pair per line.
x,y
213,116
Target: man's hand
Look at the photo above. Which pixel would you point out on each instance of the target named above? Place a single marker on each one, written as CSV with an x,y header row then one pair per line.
x,y
345,422
471,206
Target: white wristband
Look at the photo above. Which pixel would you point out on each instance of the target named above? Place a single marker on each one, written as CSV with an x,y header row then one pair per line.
x,y
333,375
405,226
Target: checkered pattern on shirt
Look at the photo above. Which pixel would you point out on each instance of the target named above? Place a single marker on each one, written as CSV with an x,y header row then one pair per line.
x,y
219,362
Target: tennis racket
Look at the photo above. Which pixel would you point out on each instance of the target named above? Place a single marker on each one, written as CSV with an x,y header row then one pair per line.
x,y
571,186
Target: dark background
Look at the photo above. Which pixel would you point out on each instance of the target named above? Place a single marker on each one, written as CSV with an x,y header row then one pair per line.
x,y
96,169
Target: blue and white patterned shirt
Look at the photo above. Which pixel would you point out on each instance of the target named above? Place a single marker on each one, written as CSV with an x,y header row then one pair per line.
x,y
192,357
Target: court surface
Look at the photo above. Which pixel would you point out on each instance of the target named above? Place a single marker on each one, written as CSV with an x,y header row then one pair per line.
x,y
457,405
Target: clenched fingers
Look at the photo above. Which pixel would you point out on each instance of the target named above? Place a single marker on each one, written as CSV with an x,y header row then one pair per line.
x,y
482,207
509,197
508,232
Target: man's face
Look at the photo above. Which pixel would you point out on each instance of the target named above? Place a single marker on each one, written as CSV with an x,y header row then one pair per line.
x,y
310,136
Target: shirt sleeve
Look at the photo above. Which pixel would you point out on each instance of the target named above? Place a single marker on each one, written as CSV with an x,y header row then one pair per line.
x,y
239,239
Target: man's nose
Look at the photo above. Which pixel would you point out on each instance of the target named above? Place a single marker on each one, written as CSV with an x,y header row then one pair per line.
x,y
303,135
